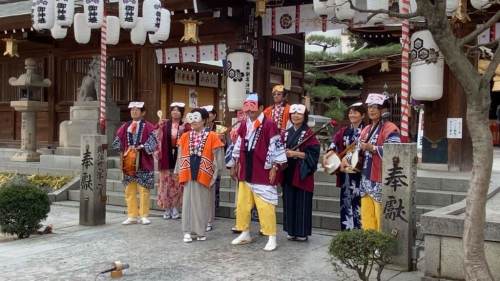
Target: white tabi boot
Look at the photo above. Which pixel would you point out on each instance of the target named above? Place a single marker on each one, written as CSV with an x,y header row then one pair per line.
x,y
243,238
271,244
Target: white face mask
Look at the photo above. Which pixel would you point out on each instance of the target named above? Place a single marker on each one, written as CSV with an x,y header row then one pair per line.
x,y
298,108
193,117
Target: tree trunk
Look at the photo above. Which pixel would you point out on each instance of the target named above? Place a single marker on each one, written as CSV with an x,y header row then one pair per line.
x,y
475,264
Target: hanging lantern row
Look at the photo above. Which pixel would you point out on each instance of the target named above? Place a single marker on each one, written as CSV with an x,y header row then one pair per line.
x,y
339,9
58,15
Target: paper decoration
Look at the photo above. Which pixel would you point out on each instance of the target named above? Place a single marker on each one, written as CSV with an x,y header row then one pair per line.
x,y
113,30
208,80
151,15
239,78
193,98
58,32
185,77
454,128
128,13
198,53
138,34
94,12
64,12
42,14
191,31
162,34
81,29
287,79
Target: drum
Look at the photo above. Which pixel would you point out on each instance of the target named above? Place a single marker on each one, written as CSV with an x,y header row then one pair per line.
x,y
130,161
332,163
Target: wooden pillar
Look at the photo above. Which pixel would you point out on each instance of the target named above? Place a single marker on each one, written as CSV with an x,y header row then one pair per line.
x,y
149,82
51,99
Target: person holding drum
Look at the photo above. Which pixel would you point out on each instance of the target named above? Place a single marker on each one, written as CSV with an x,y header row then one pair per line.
x,y
372,140
302,151
137,142
346,143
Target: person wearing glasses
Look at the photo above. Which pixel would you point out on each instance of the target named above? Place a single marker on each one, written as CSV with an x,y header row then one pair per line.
x,y
279,111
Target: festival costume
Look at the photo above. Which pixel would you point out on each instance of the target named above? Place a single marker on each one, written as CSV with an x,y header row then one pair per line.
x,y
371,176
197,167
256,150
298,182
280,115
138,134
350,194
169,190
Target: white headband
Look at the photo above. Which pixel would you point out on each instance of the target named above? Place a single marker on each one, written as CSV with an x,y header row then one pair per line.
x,y
193,117
298,108
178,104
356,104
377,99
138,104
208,108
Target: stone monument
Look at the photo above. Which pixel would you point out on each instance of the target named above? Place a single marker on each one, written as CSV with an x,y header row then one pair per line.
x,y
84,114
93,180
399,168
31,85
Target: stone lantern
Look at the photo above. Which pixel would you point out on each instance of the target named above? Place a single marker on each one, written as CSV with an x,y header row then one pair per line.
x,y
31,101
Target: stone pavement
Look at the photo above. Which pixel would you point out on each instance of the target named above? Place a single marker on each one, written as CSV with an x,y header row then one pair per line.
x,y
156,252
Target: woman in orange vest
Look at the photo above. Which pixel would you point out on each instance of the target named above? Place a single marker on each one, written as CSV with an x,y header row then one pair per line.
x,y
200,159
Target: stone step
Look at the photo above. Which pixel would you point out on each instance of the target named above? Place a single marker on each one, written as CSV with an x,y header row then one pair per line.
x,y
321,219
445,184
439,198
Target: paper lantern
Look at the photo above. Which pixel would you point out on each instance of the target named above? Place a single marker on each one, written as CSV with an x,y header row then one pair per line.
x,y
138,34
191,31
64,12
239,78
94,12
58,32
113,30
43,14
153,39
343,10
11,47
480,4
151,15
81,29
260,8
128,11
324,8
427,67
163,32
451,6
377,5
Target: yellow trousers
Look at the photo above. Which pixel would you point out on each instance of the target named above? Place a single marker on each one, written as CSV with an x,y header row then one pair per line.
x,y
131,199
371,214
245,202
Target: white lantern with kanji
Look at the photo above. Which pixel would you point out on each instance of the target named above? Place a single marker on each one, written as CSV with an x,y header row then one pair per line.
x,y
343,9
239,78
324,8
451,6
138,34
64,12
58,32
481,4
162,34
43,14
151,15
127,12
377,5
153,39
427,67
81,29
113,30
94,12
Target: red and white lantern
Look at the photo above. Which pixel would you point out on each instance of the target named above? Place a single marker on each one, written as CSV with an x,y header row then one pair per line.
x,y
427,67
151,15
43,14
239,78
127,12
64,12
94,12
81,29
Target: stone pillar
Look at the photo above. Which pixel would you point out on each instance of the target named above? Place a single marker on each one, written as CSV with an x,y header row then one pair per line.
x,y
93,180
399,168
28,110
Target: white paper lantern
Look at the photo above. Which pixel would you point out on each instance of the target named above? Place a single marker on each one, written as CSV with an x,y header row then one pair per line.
x,y
138,34
377,5
58,32
81,29
343,9
451,6
128,11
164,31
427,67
480,4
113,30
239,78
151,15
153,39
324,7
64,12
43,14
94,12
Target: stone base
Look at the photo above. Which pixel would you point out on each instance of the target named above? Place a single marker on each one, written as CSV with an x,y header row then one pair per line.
x,y
73,151
26,156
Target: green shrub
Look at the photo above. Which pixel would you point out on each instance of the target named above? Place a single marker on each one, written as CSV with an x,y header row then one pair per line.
x,y
360,250
22,207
